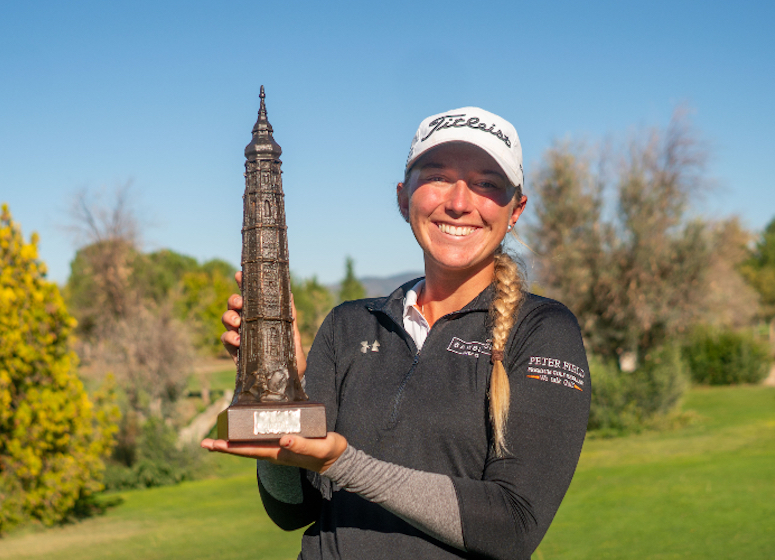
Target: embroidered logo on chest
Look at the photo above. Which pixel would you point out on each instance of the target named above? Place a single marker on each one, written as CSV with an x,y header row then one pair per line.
x,y
474,348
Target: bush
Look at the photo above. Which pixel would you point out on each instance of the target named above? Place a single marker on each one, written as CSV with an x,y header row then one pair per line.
x,y
53,437
156,460
628,402
726,357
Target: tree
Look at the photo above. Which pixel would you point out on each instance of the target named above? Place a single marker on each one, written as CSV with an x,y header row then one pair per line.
x,y
98,290
350,288
759,270
634,277
728,301
313,301
109,233
52,437
200,301
156,276
122,298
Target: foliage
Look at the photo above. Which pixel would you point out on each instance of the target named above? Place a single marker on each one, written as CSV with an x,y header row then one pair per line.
x,y
203,293
98,289
726,357
628,401
149,353
351,288
635,276
759,270
158,460
728,300
149,281
157,275
313,302
52,437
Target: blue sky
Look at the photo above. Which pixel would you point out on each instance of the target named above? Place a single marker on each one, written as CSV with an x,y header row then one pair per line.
x,y
164,94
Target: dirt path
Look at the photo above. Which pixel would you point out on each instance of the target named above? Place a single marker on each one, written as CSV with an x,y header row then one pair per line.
x,y
770,381
211,365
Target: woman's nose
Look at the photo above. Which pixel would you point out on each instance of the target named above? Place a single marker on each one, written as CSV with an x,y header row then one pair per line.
x,y
459,198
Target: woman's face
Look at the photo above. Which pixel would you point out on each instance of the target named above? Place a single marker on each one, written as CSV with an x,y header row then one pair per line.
x,y
459,204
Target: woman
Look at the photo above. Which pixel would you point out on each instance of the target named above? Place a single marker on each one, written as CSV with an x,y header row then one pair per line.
x,y
456,406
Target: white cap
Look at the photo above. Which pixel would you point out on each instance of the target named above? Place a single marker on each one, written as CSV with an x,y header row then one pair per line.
x,y
473,125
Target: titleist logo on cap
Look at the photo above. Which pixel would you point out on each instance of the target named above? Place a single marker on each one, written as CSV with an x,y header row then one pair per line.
x,y
460,121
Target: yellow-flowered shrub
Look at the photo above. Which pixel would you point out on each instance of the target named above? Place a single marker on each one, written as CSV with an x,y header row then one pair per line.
x,y
53,438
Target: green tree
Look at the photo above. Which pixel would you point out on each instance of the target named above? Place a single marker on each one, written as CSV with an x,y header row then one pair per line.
x,y
52,437
200,302
350,288
313,302
759,270
157,275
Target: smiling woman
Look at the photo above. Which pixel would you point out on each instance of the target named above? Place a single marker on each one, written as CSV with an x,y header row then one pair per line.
x,y
445,440
461,208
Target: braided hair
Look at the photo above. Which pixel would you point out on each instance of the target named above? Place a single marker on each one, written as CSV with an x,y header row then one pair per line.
x,y
509,293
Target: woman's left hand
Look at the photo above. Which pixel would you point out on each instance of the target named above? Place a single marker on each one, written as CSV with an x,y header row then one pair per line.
x,y
314,454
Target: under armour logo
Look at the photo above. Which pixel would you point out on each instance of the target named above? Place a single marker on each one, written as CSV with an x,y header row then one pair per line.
x,y
365,346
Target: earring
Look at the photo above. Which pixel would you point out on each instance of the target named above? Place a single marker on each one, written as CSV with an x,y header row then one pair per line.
x,y
510,226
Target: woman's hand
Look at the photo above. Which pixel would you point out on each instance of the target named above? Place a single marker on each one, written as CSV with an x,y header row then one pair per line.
x,y
313,454
232,319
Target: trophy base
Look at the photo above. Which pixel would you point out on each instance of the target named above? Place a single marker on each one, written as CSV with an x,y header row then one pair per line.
x,y
267,422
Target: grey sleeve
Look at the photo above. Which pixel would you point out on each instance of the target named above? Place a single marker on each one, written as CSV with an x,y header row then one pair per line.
x,y
427,501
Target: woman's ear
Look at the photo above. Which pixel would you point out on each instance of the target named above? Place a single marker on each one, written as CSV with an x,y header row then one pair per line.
x,y
519,207
402,197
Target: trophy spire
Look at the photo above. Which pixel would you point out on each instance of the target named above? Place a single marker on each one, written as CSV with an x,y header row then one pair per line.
x,y
262,145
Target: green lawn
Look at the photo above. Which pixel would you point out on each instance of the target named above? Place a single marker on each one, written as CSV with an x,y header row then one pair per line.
x,y
218,518
703,491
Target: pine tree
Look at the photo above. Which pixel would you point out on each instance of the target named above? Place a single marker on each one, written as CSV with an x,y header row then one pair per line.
x,y
351,288
52,437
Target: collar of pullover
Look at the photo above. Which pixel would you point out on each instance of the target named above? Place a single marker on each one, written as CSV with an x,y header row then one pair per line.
x,y
393,305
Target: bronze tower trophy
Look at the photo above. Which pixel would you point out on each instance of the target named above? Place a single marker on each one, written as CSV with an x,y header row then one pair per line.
x,y
268,398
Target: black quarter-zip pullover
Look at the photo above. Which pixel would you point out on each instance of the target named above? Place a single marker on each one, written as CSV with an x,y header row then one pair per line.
x,y
428,410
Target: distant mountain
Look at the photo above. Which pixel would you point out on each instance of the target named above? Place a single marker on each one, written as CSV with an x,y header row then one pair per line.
x,y
376,287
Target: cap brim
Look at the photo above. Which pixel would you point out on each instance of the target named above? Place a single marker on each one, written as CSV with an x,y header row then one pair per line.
x,y
512,177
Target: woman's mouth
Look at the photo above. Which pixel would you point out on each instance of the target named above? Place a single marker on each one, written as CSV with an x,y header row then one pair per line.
x,y
457,231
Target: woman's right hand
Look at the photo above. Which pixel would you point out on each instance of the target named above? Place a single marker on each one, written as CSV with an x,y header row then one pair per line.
x,y
232,319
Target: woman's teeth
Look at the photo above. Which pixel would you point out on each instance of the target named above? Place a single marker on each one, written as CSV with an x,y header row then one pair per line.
x,y
459,231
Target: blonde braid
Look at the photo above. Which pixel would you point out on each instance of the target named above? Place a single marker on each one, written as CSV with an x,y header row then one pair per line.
x,y
508,297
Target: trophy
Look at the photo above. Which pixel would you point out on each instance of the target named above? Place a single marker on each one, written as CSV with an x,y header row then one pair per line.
x,y
269,400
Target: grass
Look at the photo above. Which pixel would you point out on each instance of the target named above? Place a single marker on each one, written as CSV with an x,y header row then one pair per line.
x,y
218,518
706,490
